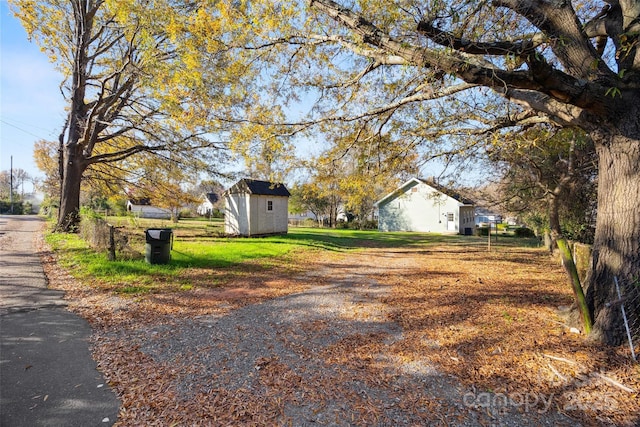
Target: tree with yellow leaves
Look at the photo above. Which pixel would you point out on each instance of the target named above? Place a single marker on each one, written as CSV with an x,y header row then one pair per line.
x,y
140,77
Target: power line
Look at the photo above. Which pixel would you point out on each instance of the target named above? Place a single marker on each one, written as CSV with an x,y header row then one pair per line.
x,y
20,122
21,129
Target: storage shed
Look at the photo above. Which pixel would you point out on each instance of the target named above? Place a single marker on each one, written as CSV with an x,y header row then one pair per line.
x,y
254,208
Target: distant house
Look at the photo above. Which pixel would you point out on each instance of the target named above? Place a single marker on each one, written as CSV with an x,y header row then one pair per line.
x,y
254,208
207,206
484,217
299,218
142,208
421,205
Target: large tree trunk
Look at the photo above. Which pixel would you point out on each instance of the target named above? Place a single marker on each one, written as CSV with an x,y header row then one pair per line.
x,y
616,250
73,168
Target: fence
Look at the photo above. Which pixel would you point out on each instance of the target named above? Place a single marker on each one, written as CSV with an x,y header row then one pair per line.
x,y
629,305
103,236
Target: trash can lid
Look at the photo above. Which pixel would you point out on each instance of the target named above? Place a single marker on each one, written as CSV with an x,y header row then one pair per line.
x,y
155,233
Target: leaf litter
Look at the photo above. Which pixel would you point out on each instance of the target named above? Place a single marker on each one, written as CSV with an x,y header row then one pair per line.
x,y
448,335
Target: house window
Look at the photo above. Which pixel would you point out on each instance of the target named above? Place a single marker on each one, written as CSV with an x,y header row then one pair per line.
x,y
269,205
414,190
450,216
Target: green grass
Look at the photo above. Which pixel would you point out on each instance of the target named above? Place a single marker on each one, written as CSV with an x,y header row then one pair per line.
x,y
226,253
195,249
84,263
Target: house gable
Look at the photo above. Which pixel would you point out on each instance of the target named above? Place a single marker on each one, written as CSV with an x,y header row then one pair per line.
x,y
420,205
415,182
209,200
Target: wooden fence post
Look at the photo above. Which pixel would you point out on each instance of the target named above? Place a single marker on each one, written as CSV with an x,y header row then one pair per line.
x,y
112,244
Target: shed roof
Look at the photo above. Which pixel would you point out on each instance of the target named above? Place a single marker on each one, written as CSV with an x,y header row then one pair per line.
x,y
254,186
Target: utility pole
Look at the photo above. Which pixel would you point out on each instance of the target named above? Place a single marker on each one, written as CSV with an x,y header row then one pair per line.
x,y
11,186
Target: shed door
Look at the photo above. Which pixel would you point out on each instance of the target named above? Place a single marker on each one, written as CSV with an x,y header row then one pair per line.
x,y
451,224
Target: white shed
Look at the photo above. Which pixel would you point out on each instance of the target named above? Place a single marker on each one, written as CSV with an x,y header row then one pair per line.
x,y
254,208
420,205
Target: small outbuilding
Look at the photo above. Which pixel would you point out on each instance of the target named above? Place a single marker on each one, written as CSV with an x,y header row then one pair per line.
x,y
254,208
421,205
143,208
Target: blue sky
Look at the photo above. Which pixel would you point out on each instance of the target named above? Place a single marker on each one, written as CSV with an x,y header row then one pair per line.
x,y
31,106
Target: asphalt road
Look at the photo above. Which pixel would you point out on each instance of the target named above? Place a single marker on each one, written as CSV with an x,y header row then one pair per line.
x,y
47,375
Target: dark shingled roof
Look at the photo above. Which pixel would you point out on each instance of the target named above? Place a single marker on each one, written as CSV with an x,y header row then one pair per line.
x,y
212,197
254,186
141,202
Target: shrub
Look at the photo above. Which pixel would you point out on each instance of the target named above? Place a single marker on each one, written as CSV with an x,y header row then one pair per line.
x,y
186,213
369,225
583,233
308,222
523,232
5,207
482,231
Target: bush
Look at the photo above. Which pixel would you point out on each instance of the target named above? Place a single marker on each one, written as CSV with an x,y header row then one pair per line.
x,y
482,231
308,222
96,232
369,225
5,207
186,213
357,225
523,232
583,233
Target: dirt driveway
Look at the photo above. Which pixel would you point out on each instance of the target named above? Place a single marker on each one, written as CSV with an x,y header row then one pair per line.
x,y
425,336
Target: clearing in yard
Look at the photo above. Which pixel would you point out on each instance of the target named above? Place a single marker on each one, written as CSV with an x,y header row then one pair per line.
x,y
342,327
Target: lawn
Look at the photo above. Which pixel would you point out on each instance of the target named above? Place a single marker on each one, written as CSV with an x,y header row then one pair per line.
x,y
198,249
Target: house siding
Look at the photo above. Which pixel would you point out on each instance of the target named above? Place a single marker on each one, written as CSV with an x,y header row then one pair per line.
x,y
419,207
146,211
467,219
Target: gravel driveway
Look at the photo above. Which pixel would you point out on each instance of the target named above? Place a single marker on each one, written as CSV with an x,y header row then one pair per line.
x,y
317,358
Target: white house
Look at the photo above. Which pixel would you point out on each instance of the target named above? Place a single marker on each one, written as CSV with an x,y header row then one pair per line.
x,y
420,205
209,200
255,208
485,217
299,218
142,208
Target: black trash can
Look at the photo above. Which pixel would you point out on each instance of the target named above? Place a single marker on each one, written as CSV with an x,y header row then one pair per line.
x,y
158,247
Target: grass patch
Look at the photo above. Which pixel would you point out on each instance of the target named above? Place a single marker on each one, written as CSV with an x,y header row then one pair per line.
x,y
198,256
75,255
